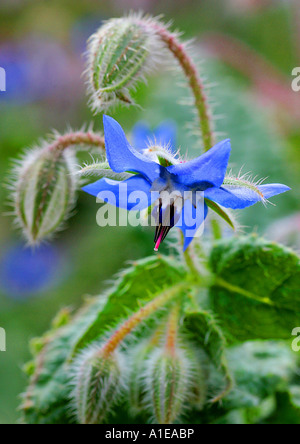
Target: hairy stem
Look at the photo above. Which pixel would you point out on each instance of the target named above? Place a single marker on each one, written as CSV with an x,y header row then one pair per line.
x,y
189,68
172,328
189,260
77,138
139,316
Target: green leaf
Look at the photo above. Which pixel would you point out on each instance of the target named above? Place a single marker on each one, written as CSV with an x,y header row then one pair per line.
x,y
46,400
141,283
203,329
260,370
286,412
256,293
295,395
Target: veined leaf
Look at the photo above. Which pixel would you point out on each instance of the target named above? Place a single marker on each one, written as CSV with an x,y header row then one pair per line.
x,y
261,368
139,284
47,398
256,294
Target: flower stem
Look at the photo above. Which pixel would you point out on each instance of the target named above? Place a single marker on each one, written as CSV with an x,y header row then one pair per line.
x,y
216,229
139,316
179,51
172,328
189,260
189,68
79,138
190,263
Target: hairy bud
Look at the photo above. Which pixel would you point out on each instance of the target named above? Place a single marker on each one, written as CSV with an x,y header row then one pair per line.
x,y
120,53
98,383
43,192
170,384
138,359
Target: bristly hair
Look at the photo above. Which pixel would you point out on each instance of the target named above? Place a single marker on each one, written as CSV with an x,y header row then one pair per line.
x,y
137,67
248,181
82,388
191,381
14,184
66,145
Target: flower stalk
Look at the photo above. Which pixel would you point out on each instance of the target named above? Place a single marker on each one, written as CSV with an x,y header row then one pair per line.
x,y
81,139
140,316
44,184
190,260
172,328
190,70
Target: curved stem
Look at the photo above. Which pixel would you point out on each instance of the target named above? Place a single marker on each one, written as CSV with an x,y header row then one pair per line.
x,y
82,138
190,263
139,316
189,68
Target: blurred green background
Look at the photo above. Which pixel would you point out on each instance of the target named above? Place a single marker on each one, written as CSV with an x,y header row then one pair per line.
x,y
248,50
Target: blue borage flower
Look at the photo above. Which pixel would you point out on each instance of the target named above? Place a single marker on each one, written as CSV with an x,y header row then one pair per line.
x,y
25,272
199,182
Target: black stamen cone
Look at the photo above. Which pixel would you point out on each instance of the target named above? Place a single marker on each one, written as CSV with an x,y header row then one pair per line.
x,y
164,226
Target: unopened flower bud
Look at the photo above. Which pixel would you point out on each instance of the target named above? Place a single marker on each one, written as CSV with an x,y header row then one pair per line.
x,y
170,381
98,382
43,192
120,53
138,358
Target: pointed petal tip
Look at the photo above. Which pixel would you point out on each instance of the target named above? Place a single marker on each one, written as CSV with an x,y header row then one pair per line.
x,y
106,117
108,121
285,188
273,189
226,143
223,143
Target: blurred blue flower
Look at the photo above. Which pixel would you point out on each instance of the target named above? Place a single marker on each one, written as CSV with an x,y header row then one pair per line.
x,y
191,182
165,135
36,68
26,272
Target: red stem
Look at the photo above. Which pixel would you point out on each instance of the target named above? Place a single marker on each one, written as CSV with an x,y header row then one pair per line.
x,y
179,51
77,138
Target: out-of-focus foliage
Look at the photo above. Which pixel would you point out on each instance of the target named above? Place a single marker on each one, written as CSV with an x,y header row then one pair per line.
x,y
261,139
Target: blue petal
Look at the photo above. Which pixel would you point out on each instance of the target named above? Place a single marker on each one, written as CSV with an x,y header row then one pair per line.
x,y
122,157
205,171
187,224
141,135
241,197
117,193
166,134
273,189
